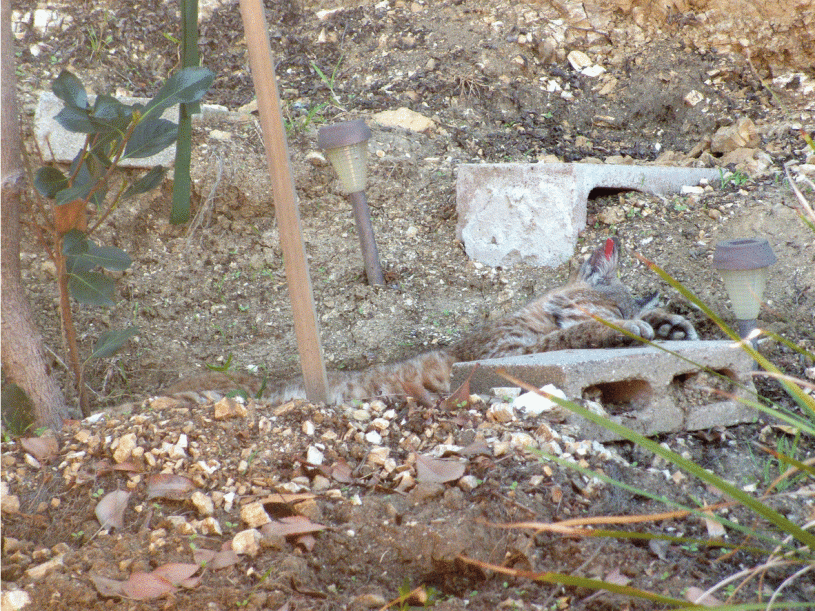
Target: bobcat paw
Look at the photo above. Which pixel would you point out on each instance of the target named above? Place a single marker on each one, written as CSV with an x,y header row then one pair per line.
x,y
638,327
671,326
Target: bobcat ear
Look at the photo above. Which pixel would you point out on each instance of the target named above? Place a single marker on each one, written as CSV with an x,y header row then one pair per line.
x,y
601,266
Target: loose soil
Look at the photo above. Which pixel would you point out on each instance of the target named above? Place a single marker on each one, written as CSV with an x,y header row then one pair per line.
x,y
494,78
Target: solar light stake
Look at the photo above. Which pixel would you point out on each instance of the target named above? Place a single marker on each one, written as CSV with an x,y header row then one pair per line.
x,y
346,145
744,265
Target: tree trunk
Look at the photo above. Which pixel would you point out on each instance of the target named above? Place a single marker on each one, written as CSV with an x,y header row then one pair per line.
x,y
22,348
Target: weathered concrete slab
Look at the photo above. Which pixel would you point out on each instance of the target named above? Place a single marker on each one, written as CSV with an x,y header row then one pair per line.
x,y
510,213
52,137
644,388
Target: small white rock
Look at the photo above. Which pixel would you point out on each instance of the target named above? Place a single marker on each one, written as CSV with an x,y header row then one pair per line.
x,y
247,543
314,456
202,503
254,515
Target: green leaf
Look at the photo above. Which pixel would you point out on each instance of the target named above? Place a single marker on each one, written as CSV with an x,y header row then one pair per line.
x,y
76,120
75,243
185,86
110,342
91,288
147,182
150,137
71,193
109,257
110,115
70,90
49,181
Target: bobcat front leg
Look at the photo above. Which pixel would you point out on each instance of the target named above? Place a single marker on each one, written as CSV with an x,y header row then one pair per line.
x,y
591,334
669,326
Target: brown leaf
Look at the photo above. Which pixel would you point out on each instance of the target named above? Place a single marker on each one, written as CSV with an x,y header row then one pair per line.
x,y
127,466
144,586
434,470
477,447
110,511
105,586
70,216
176,572
715,529
460,399
203,556
341,471
41,448
693,593
169,486
617,578
215,560
223,559
307,542
292,525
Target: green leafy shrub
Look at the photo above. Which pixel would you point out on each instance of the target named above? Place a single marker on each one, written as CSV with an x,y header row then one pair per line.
x,y
79,200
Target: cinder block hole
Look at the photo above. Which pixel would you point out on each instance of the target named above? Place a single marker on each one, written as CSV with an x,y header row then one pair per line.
x,y
621,396
598,192
699,387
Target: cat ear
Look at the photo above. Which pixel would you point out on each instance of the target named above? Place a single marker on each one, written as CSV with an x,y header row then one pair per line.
x,y
601,266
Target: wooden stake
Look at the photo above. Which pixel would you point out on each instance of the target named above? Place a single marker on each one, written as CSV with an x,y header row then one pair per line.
x,y
285,202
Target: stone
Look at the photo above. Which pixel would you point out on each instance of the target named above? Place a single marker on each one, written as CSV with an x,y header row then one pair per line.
x,y
247,542
645,388
743,134
404,118
125,447
254,515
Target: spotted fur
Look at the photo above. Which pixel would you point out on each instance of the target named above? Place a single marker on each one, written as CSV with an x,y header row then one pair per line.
x,y
562,318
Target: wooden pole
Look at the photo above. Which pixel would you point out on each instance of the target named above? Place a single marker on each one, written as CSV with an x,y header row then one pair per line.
x,y
285,202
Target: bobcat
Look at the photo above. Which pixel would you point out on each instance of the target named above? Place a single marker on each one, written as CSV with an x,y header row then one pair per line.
x,y
562,318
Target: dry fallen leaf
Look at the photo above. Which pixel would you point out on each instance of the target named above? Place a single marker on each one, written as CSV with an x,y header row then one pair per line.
x,y
176,572
715,530
144,586
41,448
693,593
434,470
215,560
105,586
617,578
341,472
110,511
169,486
292,525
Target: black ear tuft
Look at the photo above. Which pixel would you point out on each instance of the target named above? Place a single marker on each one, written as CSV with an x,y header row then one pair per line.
x,y
648,302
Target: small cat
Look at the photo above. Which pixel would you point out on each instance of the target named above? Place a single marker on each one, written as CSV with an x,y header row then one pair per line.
x,y
562,318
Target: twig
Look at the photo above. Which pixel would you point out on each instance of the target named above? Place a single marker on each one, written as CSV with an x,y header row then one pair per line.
x,y
206,207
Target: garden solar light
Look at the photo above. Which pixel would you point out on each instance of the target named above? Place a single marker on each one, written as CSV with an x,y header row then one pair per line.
x,y
346,145
744,266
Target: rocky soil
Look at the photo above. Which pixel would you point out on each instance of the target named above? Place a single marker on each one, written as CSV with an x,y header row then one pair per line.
x,y
359,509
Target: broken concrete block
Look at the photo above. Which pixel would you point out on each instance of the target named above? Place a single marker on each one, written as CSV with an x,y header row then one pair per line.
x,y
510,213
644,388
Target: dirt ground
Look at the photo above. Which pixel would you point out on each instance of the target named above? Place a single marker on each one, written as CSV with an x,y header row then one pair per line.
x,y
495,80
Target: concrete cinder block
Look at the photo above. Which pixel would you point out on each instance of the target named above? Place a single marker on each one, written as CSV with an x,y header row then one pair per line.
x,y
53,138
646,389
510,213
